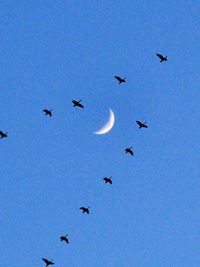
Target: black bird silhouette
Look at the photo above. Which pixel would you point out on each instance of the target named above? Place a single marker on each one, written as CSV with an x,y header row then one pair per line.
x,y
2,134
107,180
120,80
85,210
129,150
77,104
161,57
142,125
48,262
47,112
64,238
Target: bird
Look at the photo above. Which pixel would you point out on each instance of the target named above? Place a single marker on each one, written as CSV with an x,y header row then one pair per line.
x,y
48,262
161,57
77,104
47,112
107,180
141,124
2,134
64,238
121,80
85,210
129,150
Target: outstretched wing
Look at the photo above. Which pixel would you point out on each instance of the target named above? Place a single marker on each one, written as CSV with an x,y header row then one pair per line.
x,y
118,78
160,56
80,105
131,152
139,123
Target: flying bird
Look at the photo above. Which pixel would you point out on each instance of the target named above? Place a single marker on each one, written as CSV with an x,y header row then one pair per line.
x,y
48,262
107,180
47,112
141,124
77,104
161,57
129,150
64,238
120,80
85,210
2,134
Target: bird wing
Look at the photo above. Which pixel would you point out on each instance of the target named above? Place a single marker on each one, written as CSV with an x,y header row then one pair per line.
x,y
139,123
80,105
118,78
128,150
45,260
160,56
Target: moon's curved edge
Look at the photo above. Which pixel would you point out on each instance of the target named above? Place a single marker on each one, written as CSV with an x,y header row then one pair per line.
x,y
108,125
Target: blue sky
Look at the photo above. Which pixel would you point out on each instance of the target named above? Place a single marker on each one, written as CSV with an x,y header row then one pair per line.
x,y
55,51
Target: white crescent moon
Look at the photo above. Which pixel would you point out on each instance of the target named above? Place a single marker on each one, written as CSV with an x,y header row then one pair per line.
x,y
109,124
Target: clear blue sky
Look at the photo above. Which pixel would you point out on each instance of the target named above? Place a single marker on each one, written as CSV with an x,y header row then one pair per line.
x,y
54,51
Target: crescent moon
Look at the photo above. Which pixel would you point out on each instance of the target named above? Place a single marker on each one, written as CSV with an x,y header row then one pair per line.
x,y
109,124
